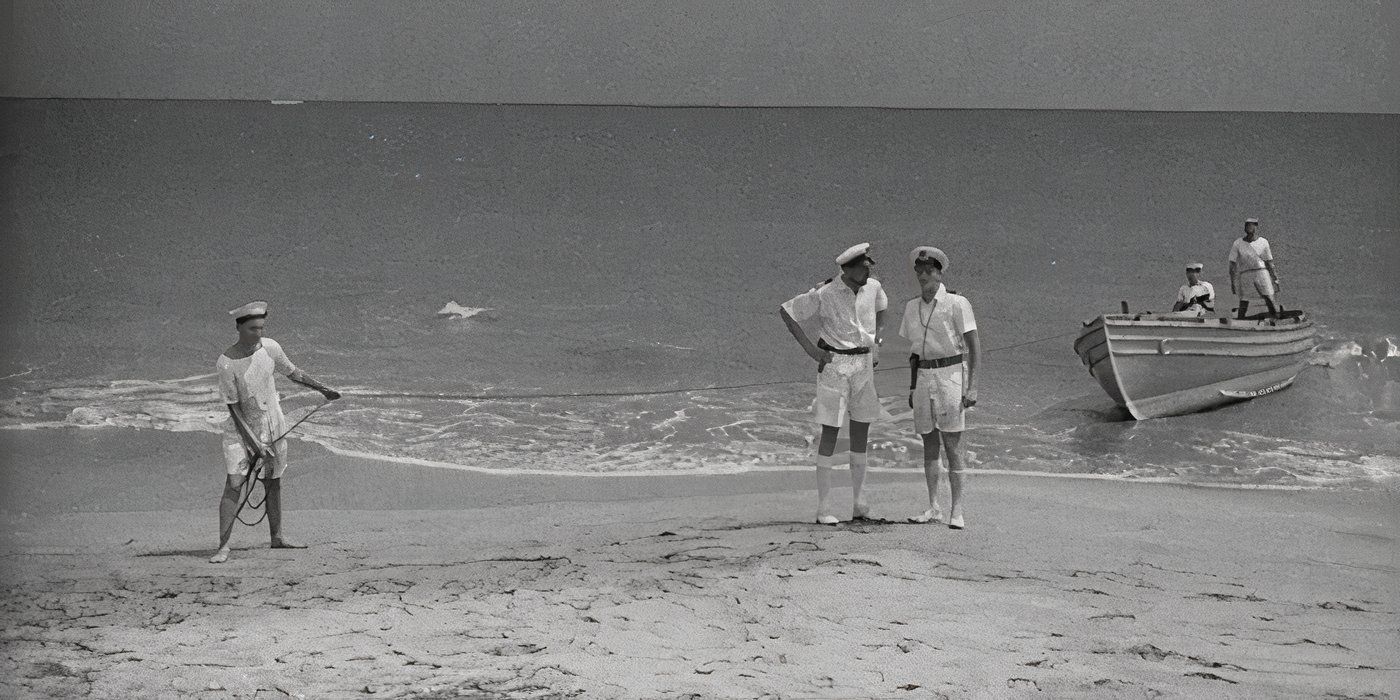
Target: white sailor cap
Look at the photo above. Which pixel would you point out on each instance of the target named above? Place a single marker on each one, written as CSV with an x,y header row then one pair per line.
x,y
252,309
1195,266
1251,220
928,253
853,253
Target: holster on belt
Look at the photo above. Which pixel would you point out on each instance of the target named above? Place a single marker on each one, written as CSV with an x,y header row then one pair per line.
x,y
917,363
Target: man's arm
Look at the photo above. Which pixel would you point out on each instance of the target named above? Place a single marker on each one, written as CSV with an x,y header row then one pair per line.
x,y
1269,265
879,336
241,423
284,366
974,357
1232,278
821,356
304,379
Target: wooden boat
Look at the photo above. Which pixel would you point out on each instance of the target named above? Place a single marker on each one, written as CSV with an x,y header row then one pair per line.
x,y
1168,364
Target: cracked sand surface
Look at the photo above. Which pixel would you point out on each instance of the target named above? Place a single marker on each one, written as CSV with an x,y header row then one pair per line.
x,y
700,598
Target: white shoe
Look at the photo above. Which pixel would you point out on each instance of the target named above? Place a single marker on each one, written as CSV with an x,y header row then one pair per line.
x,y
956,523
932,515
828,520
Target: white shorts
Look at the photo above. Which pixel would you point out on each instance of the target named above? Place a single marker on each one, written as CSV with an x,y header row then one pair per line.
x,y
265,426
1255,284
847,383
938,396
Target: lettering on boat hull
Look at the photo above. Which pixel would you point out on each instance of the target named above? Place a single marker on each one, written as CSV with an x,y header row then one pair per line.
x,y
1253,393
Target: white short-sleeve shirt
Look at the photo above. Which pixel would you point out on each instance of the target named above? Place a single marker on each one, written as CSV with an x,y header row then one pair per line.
x,y
1188,292
250,381
935,329
847,319
1250,255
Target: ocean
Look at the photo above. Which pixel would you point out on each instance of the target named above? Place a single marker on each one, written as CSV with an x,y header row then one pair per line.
x,y
616,274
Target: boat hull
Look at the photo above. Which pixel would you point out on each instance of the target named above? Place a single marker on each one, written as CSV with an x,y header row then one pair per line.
x,y
1159,365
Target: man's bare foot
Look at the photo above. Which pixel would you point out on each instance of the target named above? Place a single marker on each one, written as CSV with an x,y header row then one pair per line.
x,y
220,556
932,515
284,543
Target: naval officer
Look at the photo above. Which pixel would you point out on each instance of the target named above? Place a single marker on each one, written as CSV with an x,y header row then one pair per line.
x,y
944,354
848,312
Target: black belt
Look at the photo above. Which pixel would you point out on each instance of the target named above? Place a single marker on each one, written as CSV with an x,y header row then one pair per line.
x,y
821,343
941,362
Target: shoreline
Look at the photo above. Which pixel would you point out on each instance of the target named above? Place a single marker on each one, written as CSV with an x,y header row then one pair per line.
x,y
663,587
21,440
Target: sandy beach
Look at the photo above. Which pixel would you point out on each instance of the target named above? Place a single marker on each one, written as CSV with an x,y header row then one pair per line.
x,y
550,435
430,583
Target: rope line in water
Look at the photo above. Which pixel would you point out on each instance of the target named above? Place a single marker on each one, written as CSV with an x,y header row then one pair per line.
x,y
647,392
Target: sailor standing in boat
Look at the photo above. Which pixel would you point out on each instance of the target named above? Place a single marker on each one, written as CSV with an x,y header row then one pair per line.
x,y
850,314
942,334
1197,295
246,384
1252,274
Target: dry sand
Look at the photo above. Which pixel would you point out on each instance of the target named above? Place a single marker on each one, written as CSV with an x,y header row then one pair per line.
x,y
696,586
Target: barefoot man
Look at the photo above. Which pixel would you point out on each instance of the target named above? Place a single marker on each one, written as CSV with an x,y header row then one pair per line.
x,y
246,373
942,341
850,313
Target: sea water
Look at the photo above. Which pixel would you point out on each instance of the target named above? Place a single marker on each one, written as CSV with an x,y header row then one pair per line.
x,y
594,290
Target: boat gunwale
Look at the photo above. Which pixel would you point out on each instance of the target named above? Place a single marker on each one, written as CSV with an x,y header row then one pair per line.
x,y
1256,342
1212,322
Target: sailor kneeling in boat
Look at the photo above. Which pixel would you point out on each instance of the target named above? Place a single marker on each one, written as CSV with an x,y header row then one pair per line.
x,y
942,334
1196,297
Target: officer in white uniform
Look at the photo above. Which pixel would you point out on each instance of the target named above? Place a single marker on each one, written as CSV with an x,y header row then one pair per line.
x,y
849,312
944,354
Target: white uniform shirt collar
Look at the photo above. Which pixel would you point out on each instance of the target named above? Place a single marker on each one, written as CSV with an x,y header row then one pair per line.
x,y
938,296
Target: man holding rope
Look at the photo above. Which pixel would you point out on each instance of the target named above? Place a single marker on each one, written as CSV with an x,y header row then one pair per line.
x,y
256,435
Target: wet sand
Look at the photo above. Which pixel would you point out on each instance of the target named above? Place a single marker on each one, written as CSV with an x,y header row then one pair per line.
x,y
708,586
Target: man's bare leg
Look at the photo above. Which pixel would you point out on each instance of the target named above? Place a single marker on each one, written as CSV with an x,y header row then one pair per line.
x,y
826,447
228,510
274,515
952,446
932,470
859,434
